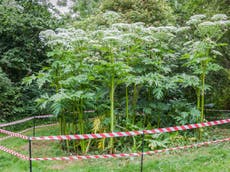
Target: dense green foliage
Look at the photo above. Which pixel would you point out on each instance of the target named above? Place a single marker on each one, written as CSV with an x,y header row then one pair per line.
x,y
21,53
133,76
136,64
150,12
86,8
184,9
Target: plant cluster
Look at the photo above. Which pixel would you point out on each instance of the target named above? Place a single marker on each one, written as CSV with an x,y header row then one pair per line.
x,y
115,58
133,76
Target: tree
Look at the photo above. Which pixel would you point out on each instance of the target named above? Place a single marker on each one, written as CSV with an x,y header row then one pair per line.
x,y
21,52
150,12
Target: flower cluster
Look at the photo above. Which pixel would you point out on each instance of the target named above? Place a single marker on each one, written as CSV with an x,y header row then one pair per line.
x,y
183,29
196,19
219,17
124,34
207,24
223,23
172,29
64,38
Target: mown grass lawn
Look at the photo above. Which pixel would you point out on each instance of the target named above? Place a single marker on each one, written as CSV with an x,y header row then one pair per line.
x,y
213,158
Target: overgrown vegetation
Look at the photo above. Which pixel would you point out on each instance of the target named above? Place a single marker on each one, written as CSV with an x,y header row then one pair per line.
x,y
126,70
21,54
136,64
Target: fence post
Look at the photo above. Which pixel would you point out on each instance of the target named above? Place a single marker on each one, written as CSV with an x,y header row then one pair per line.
x,y
142,151
34,123
30,155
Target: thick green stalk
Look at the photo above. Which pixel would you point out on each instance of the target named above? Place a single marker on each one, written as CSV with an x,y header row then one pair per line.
x,y
81,124
74,126
198,102
112,112
134,147
65,132
81,117
127,103
202,96
198,98
158,121
135,93
61,123
74,131
67,141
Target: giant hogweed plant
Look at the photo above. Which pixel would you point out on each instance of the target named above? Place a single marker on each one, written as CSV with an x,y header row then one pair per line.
x,y
100,68
202,49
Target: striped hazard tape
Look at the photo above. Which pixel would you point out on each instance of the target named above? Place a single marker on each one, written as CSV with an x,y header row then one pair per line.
x,y
44,116
16,122
24,157
12,152
28,129
13,134
131,133
128,154
25,120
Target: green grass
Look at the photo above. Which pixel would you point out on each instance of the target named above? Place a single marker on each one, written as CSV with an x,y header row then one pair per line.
x,y
214,158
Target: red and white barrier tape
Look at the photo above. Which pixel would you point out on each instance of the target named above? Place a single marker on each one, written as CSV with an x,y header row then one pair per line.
x,y
24,157
40,126
130,154
12,152
4,138
213,110
13,134
44,116
131,133
47,125
16,122
24,120
215,118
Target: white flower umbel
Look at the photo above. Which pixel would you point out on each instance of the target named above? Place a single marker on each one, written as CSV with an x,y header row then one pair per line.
x,y
151,29
137,27
63,38
212,29
148,39
183,29
112,39
193,22
129,36
172,29
223,22
140,24
217,17
46,35
97,34
60,30
111,32
117,35
122,26
198,17
207,24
